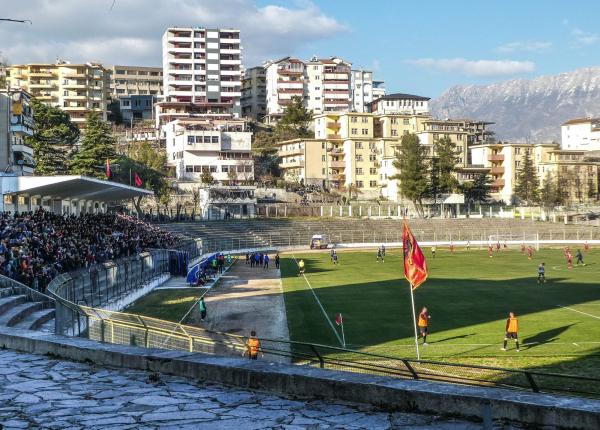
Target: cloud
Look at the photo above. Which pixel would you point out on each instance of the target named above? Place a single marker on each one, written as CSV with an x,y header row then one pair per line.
x,y
131,32
478,68
524,46
584,38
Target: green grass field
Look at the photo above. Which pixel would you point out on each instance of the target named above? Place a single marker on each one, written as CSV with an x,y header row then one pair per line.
x,y
468,295
169,305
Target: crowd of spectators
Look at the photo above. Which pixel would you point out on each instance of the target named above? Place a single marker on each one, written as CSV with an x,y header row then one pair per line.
x,y
37,246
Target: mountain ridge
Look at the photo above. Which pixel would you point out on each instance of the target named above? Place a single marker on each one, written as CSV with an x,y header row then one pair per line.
x,y
525,110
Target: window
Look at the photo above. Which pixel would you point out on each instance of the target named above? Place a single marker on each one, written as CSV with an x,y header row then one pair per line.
x,y
372,171
394,121
359,157
189,169
206,139
394,132
365,131
359,171
365,120
359,184
213,169
323,158
323,171
358,145
215,139
191,140
323,145
354,131
353,119
372,184
225,169
372,145
372,157
406,121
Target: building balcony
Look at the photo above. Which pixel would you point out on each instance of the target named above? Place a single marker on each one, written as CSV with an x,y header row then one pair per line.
x,y
286,72
77,86
334,125
336,102
336,152
44,96
498,183
228,40
75,97
231,73
178,39
233,51
231,83
334,136
42,74
75,75
497,170
496,157
336,81
283,153
232,62
292,164
338,164
298,91
42,85
74,108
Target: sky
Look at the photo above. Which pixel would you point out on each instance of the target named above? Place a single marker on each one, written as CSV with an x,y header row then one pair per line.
x,y
418,47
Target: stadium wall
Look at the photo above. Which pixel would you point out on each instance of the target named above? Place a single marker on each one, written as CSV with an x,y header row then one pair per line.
x,y
482,404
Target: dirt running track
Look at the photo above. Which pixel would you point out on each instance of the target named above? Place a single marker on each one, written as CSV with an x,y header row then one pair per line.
x,y
247,299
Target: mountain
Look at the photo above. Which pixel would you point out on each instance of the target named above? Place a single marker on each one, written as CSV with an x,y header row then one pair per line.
x,y
525,110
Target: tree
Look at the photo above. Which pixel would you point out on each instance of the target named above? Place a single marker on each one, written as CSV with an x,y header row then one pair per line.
x,y
478,190
207,178
296,116
549,193
528,184
53,140
149,163
412,166
446,159
97,146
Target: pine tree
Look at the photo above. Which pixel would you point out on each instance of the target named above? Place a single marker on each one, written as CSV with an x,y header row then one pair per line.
x,y
478,190
296,117
527,186
412,166
97,146
549,195
445,152
53,140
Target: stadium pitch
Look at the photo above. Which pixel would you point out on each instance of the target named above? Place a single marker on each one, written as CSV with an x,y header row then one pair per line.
x,y
469,296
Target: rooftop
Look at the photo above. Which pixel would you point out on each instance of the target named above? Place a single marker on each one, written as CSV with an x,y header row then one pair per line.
x,y
402,96
581,121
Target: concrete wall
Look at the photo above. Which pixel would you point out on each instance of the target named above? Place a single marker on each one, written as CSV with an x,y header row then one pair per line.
x,y
309,382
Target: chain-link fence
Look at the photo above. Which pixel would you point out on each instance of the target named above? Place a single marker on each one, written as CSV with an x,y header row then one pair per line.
x,y
127,329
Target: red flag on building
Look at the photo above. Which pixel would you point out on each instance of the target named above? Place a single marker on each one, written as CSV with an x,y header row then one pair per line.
x,y
108,171
137,180
415,266
339,320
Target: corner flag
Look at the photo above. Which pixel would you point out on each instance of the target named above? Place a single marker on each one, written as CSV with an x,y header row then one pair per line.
x,y
415,266
339,320
108,171
137,180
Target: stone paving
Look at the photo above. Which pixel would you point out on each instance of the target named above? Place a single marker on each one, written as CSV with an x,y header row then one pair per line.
x,y
41,392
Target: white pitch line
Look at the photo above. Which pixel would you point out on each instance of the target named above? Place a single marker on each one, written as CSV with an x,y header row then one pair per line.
x,y
320,305
575,310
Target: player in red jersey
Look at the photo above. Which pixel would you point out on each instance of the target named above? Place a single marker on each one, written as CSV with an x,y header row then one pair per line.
x,y
490,251
529,252
522,248
586,246
452,247
569,257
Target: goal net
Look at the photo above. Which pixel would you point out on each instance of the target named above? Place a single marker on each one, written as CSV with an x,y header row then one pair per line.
x,y
515,240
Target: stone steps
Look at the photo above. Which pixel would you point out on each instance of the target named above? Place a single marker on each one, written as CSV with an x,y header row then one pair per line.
x,y
18,313
36,319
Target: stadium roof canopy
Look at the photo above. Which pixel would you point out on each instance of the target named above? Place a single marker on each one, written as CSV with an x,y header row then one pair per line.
x,y
73,187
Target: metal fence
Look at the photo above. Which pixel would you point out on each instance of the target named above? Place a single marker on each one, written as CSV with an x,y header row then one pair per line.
x,y
31,294
128,329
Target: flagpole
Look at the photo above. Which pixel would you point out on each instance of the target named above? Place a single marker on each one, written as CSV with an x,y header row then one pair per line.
x,y
343,337
412,300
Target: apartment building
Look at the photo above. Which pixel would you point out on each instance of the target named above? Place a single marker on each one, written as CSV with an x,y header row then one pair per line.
x,y
203,67
576,170
285,79
76,88
581,134
400,103
254,93
16,123
135,81
135,108
364,90
328,85
223,148
360,148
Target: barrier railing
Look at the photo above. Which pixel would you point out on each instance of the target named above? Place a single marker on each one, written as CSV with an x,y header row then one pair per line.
x,y
31,294
129,329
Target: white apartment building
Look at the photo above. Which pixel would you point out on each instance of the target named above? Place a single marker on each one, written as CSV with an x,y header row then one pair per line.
x,y
364,90
223,148
285,79
328,86
16,124
400,103
202,67
581,134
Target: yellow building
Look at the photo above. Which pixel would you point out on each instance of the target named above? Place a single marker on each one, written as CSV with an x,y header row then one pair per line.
x,y
135,80
358,149
76,88
575,171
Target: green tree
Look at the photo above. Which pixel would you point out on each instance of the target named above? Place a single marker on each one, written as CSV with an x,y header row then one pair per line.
x,y
207,178
411,164
478,191
296,117
549,194
445,154
528,184
53,140
149,164
97,146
